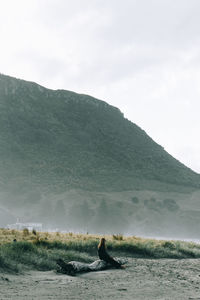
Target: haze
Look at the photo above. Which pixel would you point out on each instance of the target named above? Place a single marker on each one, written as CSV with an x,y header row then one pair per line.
x,y
141,56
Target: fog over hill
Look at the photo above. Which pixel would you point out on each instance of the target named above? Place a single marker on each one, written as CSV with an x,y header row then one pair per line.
x,y
60,150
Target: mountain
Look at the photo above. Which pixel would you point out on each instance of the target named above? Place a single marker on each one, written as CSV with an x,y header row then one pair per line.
x,y
55,141
65,139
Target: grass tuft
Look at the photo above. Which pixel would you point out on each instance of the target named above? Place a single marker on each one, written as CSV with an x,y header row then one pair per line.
x,y
118,237
25,231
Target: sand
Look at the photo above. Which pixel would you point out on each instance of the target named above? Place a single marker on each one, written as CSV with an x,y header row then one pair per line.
x,y
142,279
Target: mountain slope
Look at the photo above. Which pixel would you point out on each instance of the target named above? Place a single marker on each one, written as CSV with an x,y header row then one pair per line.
x,y
57,140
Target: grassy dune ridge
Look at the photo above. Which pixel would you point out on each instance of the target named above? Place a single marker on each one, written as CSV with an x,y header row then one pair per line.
x,y
39,250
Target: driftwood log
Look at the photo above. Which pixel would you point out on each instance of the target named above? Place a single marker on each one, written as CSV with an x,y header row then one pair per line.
x,y
74,267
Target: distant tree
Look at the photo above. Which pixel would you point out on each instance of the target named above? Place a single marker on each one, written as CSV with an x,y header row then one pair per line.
x,y
171,205
135,200
153,204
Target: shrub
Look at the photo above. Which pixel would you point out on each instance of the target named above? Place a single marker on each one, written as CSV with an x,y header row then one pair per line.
x,y
25,231
135,200
171,205
34,232
118,237
169,244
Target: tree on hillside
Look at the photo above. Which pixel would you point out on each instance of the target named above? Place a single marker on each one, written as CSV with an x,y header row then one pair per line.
x,y
171,205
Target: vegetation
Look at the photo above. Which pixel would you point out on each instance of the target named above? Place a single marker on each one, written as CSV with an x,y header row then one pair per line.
x,y
19,252
60,139
60,150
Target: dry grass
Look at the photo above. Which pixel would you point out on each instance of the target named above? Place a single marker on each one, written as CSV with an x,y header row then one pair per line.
x,y
41,249
8,235
83,242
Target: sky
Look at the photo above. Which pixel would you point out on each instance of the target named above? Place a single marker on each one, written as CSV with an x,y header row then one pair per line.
x,y
142,56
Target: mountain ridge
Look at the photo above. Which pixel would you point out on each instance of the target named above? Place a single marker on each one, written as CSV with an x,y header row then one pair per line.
x,y
73,162
72,138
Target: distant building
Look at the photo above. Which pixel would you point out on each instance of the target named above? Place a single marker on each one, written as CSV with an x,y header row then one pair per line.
x,y
29,226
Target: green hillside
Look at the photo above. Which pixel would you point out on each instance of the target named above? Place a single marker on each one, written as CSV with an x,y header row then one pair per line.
x,y
61,140
74,162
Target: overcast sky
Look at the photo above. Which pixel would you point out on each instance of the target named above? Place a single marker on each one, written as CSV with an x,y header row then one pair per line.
x,y
142,56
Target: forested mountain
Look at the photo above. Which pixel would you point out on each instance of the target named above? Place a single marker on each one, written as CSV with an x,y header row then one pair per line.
x,y
60,139
67,158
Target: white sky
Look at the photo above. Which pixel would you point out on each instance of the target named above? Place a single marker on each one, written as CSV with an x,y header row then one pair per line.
x,y
142,56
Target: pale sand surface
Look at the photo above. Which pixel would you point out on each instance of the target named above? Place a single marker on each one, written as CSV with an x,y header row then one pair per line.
x,y
142,279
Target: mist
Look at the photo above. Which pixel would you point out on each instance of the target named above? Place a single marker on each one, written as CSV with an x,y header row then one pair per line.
x,y
140,213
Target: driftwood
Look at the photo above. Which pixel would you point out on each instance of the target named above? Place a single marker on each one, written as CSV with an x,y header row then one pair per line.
x,y
73,267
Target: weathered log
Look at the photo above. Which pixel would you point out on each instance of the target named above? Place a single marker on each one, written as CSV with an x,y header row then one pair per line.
x,y
73,267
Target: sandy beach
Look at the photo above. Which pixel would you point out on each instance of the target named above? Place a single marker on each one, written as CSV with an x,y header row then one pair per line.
x,y
142,279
